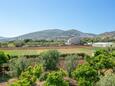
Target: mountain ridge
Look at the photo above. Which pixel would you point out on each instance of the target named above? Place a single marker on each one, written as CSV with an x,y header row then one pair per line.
x,y
51,34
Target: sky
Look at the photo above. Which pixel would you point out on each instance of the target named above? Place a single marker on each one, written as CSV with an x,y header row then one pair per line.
x,y
19,17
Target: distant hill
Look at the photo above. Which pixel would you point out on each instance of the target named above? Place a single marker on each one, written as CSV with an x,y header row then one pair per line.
x,y
53,34
107,35
50,35
2,37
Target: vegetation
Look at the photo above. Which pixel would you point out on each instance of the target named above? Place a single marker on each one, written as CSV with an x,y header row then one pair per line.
x,y
85,75
18,65
56,78
56,69
50,59
71,63
89,73
3,58
30,43
107,80
97,39
29,76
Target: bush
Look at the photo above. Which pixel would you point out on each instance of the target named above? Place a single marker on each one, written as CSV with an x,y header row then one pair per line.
x,y
28,77
85,75
56,78
108,80
3,58
71,63
17,65
43,76
80,56
50,59
103,62
101,51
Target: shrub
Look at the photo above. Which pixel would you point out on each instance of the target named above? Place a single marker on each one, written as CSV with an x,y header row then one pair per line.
x,y
56,78
50,59
101,51
17,65
19,43
43,76
103,62
107,80
85,75
28,77
71,63
3,58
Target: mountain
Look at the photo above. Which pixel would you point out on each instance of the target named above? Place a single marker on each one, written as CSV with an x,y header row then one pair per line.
x,y
107,35
2,37
54,34
51,34
58,34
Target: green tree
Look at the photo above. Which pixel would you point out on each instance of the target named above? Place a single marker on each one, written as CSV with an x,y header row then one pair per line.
x,y
19,43
50,59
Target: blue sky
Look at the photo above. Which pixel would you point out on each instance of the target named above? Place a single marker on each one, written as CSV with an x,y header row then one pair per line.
x,y
23,16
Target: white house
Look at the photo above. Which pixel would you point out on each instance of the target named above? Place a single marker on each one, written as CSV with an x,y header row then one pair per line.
x,y
73,40
103,44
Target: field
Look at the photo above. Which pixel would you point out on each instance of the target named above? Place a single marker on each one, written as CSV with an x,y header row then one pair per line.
x,y
36,50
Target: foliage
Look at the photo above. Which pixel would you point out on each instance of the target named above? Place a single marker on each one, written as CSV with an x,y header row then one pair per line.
x,y
3,58
107,80
86,75
91,40
18,65
19,43
102,60
56,78
43,76
101,51
71,63
28,77
31,43
50,59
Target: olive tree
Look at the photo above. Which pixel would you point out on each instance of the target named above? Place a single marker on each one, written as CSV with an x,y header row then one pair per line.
x,y
50,59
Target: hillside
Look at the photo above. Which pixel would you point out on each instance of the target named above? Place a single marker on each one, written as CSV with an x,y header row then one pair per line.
x,y
2,37
109,35
51,34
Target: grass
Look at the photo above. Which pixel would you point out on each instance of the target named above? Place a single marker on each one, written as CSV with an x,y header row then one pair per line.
x,y
87,50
